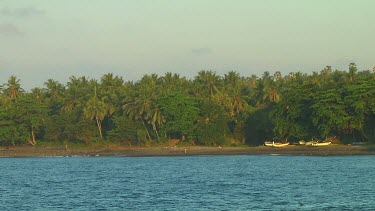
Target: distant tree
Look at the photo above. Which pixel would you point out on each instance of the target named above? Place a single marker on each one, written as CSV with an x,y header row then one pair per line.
x,y
212,125
180,112
352,72
13,88
95,109
328,112
208,80
291,116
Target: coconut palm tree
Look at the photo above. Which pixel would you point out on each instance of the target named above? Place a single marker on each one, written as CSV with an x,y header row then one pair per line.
x,y
54,91
172,82
234,86
72,99
37,93
238,104
352,72
259,92
272,92
138,110
112,92
232,78
95,109
156,120
209,81
277,76
107,80
139,102
169,82
13,88
266,75
315,79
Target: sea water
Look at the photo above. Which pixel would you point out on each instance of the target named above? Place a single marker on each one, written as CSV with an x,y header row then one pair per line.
x,y
188,183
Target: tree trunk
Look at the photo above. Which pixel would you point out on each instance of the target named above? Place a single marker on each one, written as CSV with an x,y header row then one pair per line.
x,y
99,128
33,141
148,134
156,131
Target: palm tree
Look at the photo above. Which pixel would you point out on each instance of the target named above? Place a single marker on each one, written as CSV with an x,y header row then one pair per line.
x,y
326,73
138,110
253,80
238,103
234,86
168,82
315,79
272,92
232,78
13,88
171,82
352,72
139,102
156,119
299,77
107,80
37,93
54,91
327,70
259,92
277,76
95,109
112,91
266,75
290,76
76,93
210,80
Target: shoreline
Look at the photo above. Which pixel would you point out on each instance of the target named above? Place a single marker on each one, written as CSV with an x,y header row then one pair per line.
x,y
41,151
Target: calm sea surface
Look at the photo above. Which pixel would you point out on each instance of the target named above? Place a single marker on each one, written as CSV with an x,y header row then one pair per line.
x,y
188,183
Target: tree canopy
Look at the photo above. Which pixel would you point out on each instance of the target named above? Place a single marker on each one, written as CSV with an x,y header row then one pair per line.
x,y
208,109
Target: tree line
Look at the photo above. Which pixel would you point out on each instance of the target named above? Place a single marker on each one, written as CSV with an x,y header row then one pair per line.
x,y
208,110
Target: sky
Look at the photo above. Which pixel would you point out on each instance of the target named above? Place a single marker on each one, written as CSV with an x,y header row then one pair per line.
x,y
43,39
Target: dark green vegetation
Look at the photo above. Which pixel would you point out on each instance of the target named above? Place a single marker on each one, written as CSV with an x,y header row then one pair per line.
x,y
207,110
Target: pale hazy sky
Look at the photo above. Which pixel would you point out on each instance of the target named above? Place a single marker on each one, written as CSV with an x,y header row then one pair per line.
x,y
42,39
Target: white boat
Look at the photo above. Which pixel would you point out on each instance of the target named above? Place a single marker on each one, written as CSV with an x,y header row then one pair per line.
x,y
273,144
317,144
281,144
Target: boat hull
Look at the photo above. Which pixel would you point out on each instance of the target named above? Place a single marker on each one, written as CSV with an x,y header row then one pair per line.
x,y
280,144
321,144
273,144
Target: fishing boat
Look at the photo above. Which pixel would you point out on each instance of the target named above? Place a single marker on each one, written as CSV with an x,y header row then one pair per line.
x,y
317,144
273,144
281,144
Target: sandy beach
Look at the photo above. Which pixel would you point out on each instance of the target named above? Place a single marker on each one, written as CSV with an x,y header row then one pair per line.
x,y
28,151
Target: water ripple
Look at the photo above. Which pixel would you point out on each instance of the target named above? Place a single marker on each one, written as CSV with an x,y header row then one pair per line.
x,y
188,183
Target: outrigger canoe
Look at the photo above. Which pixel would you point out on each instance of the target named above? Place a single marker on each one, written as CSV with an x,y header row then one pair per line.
x,y
316,144
273,144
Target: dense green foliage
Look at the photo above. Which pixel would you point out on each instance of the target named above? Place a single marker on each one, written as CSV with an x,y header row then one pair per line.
x,y
207,110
